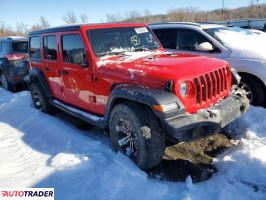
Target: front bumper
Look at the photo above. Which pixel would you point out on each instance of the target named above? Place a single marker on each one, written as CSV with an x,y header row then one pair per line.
x,y
208,121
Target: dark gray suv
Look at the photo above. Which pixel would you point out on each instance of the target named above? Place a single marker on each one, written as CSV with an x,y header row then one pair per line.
x,y
13,62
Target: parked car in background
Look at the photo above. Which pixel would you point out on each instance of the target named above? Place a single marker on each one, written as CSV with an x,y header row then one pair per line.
x,y
118,77
259,24
13,61
243,49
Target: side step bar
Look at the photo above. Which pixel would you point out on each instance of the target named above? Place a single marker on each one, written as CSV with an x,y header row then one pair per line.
x,y
85,116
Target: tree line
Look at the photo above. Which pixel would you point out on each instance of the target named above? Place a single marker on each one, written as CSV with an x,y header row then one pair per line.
x,y
189,14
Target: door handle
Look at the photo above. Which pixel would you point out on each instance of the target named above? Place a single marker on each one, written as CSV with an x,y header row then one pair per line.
x,y
47,69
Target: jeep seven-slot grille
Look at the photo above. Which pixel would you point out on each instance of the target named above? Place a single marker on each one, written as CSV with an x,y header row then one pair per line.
x,y
211,85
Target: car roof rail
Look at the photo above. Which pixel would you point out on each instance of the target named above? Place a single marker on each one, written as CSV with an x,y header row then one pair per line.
x,y
179,23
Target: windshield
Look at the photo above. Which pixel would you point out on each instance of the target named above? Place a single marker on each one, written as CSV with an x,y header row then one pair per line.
x,y
20,46
221,34
109,41
243,43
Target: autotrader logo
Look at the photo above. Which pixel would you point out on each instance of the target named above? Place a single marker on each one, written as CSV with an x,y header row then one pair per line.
x,y
26,193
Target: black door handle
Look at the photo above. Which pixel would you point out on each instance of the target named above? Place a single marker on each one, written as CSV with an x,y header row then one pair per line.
x,y
47,69
64,72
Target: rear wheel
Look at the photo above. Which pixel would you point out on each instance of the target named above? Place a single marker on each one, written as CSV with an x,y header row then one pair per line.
x,y
6,84
39,99
254,89
134,130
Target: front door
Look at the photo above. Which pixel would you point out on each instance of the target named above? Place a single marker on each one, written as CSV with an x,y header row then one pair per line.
x,y
75,72
52,64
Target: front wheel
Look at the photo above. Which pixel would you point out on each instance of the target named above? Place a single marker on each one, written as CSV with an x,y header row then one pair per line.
x,y
254,89
134,130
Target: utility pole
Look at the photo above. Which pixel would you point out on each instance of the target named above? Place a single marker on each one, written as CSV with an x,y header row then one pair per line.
x,y
257,9
223,11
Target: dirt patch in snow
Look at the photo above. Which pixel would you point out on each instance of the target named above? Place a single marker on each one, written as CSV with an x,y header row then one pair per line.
x,y
193,159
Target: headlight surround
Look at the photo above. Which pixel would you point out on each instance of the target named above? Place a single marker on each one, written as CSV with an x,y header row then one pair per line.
x,y
183,89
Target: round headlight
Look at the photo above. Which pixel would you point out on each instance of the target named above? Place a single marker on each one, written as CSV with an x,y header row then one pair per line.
x,y
183,88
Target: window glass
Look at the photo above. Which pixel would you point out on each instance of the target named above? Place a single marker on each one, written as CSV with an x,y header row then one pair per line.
x,y
167,37
20,46
107,41
50,47
189,40
73,50
0,46
35,47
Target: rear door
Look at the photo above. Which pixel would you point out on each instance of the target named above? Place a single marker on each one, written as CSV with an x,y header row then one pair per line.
x,y
52,64
76,75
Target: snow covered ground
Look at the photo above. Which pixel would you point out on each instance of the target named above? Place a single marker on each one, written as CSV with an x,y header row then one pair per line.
x,y
39,150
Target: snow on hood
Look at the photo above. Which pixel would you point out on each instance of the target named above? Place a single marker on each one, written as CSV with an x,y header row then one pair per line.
x,y
127,56
244,44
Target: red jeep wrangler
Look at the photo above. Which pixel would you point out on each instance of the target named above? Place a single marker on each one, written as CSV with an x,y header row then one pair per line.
x,y
118,77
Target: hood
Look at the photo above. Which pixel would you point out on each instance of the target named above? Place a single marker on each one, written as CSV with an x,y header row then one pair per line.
x,y
157,67
249,46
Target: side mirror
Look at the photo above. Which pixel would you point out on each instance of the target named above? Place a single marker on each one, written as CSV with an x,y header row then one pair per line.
x,y
79,57
205,46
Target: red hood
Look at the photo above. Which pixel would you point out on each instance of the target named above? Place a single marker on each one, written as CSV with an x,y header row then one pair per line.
x,y
156,69
160,67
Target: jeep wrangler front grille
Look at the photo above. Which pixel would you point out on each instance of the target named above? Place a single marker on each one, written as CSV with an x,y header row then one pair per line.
x,y
211,85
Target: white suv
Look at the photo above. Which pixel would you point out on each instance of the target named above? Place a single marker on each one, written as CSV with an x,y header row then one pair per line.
x,y
243,49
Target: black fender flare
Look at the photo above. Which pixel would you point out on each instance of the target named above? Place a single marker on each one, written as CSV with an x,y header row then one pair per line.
x,y
36,75
146,96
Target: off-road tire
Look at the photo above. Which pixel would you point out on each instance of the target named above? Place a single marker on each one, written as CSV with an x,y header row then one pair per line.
x,y
41,101
257,90
7,85
150,143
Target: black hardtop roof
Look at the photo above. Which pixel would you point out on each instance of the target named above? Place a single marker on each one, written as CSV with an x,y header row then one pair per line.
x,y
70,27
57,29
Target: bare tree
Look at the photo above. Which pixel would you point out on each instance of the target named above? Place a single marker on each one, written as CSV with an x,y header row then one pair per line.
x,y
147,15
22,28
70,18
2,28
84,18
44,22
114,17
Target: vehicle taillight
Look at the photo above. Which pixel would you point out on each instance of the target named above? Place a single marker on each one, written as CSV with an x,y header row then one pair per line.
x,y
15,56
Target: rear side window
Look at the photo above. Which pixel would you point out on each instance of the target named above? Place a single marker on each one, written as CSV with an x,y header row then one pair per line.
x,y
188,40
72,48
6,47
167,37
20,46
35,47
50,47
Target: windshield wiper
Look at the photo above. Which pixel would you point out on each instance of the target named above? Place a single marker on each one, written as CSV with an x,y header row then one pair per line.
x,y
141,49
111,53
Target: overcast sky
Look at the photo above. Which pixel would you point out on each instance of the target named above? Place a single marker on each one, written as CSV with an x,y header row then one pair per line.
x,y
29,11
